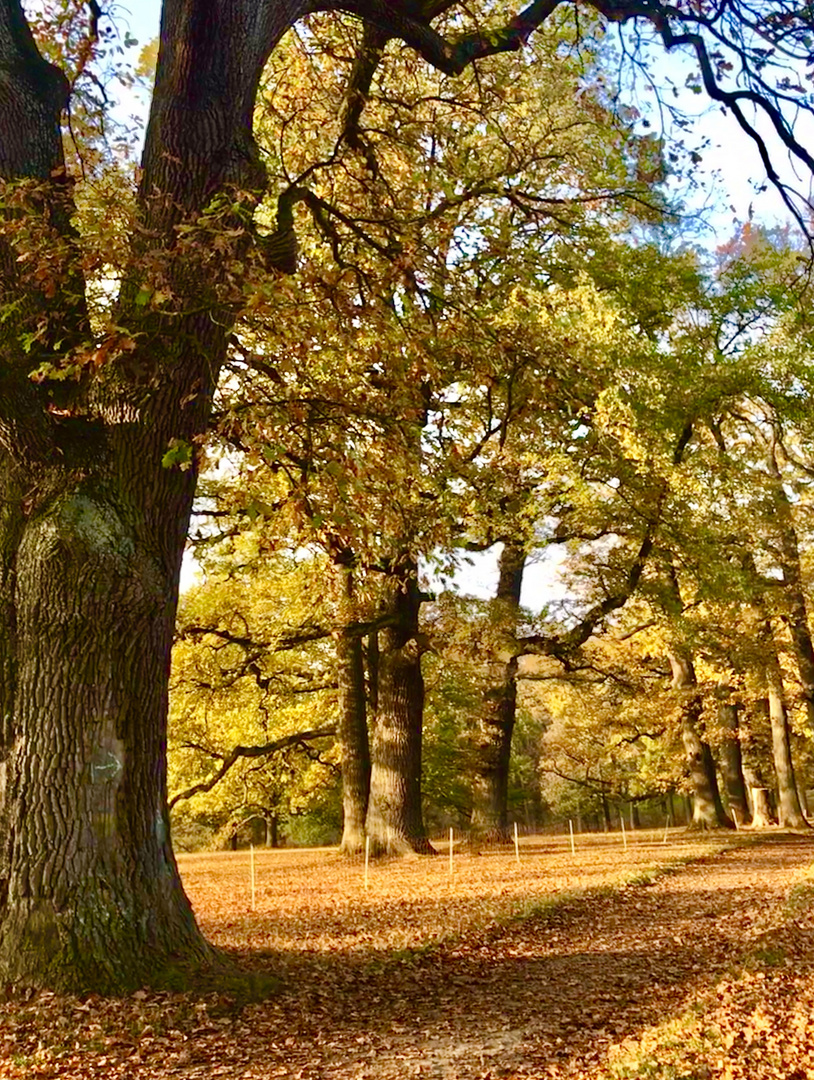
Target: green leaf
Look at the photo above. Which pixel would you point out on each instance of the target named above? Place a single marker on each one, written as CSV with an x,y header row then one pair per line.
x,y
178,455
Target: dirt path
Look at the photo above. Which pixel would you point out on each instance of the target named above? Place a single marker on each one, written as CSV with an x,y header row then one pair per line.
x,y
545,997
548,995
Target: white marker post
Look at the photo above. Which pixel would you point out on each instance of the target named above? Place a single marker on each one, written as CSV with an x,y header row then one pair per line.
x,y
571,830
624,834
367,858
451,863
516,845
666,828
251,863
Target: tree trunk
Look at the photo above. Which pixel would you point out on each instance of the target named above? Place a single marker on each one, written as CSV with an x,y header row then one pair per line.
x,y
708,811
94,518
732,763
91,894
796,610
372,665
606,814
789,811
762,816
493,735
394,820
757,787
352,727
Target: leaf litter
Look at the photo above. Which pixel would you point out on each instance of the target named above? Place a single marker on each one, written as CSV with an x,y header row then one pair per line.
x,y
686,961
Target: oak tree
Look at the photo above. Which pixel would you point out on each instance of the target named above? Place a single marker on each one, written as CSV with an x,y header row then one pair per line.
x,y
99,447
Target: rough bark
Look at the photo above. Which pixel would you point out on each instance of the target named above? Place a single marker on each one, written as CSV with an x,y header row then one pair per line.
x,y
493,735
394,820
732,762
708,811
91,896
93,524
352,727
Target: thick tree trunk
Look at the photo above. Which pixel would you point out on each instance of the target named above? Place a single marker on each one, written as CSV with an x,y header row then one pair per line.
x,y
707,808
758,791
495,726
708,811
93,523
394,820
91,895
732,763
352,727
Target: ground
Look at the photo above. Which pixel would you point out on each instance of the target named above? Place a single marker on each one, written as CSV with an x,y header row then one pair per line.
x,y
686,960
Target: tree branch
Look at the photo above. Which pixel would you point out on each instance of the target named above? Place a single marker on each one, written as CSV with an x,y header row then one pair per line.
x,y
303,636
301,738
451,57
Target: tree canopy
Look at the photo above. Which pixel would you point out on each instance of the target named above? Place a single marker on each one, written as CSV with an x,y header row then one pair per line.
x,y
131,304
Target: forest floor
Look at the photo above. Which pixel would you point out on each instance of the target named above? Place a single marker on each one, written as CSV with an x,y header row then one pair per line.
x,y
689,960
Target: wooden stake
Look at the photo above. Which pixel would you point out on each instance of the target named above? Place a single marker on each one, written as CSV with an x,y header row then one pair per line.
x,y
251,862
624,834
516,845
367,858
571,830
451,864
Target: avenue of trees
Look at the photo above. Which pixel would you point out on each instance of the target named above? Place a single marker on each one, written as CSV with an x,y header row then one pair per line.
x,y
392,283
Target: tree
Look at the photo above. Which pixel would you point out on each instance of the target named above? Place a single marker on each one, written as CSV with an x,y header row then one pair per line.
x,y
254,713
493,736
391,445
100,449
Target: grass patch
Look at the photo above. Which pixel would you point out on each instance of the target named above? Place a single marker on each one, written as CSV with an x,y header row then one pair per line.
x,y
678,1049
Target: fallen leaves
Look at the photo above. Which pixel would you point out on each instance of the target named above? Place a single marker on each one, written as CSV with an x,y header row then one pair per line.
x,y
548,969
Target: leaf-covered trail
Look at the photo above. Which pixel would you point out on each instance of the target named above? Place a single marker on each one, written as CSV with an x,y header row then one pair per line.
x,y
547,996
550,994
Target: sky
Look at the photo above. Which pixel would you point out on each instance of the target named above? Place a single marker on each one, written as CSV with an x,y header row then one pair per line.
x,y
726,192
